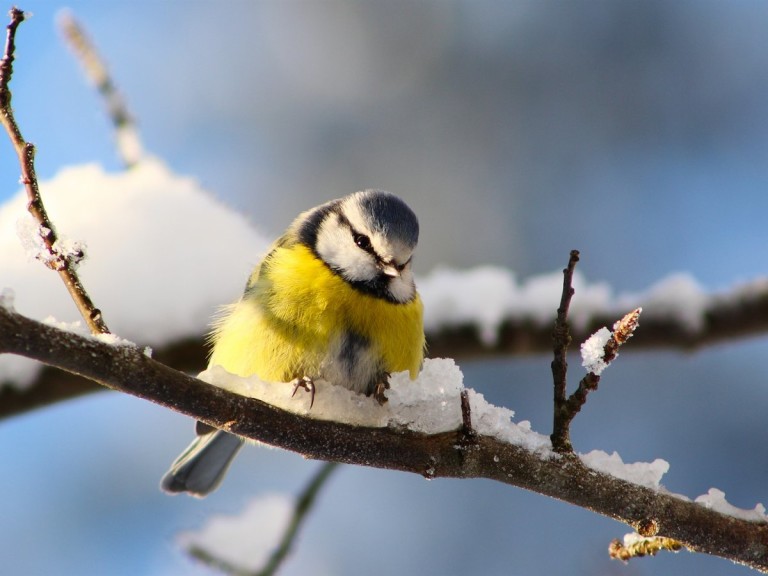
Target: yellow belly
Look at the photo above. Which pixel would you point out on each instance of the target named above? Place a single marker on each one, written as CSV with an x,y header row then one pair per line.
x,y
295,314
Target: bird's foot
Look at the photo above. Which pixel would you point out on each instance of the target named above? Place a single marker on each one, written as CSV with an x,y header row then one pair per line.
x,y
380,390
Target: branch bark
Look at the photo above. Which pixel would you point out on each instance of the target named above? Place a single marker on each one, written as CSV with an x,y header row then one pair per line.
x,y
440,455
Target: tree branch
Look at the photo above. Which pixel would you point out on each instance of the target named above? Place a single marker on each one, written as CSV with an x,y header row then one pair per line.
x,y
563,477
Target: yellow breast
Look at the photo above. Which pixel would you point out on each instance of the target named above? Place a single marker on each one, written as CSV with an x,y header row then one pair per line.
x,y
284,325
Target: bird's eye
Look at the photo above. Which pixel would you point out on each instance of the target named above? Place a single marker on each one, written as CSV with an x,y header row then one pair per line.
x,y
362,241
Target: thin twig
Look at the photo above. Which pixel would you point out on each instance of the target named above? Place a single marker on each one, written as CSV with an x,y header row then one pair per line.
x,y
623,330
303,505
56,258
467,432
561,339
129,146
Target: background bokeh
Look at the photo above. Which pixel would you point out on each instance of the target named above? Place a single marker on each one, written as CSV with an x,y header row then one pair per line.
x,y
635,131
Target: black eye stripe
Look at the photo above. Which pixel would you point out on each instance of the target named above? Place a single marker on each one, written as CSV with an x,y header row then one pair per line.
x,y
363,242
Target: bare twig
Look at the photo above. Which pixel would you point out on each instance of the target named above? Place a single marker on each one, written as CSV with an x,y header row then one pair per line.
x,y
566,478
561,339
303,505
466,417
129,146
56,258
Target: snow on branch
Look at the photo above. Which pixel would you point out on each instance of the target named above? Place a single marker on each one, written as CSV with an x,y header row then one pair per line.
x,y
501,450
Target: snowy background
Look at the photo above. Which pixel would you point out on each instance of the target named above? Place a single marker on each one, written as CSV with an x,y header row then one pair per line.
x,y
636,132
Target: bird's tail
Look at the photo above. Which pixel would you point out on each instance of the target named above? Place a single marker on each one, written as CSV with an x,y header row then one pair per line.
x,y
202,466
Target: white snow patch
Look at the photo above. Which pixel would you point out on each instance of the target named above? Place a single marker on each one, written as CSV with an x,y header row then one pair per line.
x,y
30,233
245,540
163,253
593,351
496,421
715,500
646,474
482,296
678,296
115,340
486,296
76,327
17,371
7,299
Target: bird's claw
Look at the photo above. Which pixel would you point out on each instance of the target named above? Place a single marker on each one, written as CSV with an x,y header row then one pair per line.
x,y
308,384
379,392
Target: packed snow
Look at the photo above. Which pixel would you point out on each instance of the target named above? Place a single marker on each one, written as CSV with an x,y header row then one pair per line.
x,y
163,254
429,404
646,474
7,299
715,500
593,352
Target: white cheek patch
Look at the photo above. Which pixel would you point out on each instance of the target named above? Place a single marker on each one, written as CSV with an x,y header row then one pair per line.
x,y
337,248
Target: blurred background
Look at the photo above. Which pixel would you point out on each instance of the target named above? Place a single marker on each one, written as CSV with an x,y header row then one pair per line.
x,y
635,131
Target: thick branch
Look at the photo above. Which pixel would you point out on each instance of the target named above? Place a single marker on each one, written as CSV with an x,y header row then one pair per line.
x,y
440,455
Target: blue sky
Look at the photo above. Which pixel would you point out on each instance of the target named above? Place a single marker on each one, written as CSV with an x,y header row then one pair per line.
x,y
636,132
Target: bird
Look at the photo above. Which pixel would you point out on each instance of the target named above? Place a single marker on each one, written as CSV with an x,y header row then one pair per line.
x,y
334,299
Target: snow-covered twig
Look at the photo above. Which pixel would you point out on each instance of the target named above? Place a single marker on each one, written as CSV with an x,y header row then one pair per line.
x,y
597,353
54,253
602,349
128,143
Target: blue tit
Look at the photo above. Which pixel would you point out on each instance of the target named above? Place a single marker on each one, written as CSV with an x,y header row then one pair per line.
x,y
334,299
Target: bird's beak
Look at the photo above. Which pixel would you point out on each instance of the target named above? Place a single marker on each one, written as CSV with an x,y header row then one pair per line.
x,y
390,270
